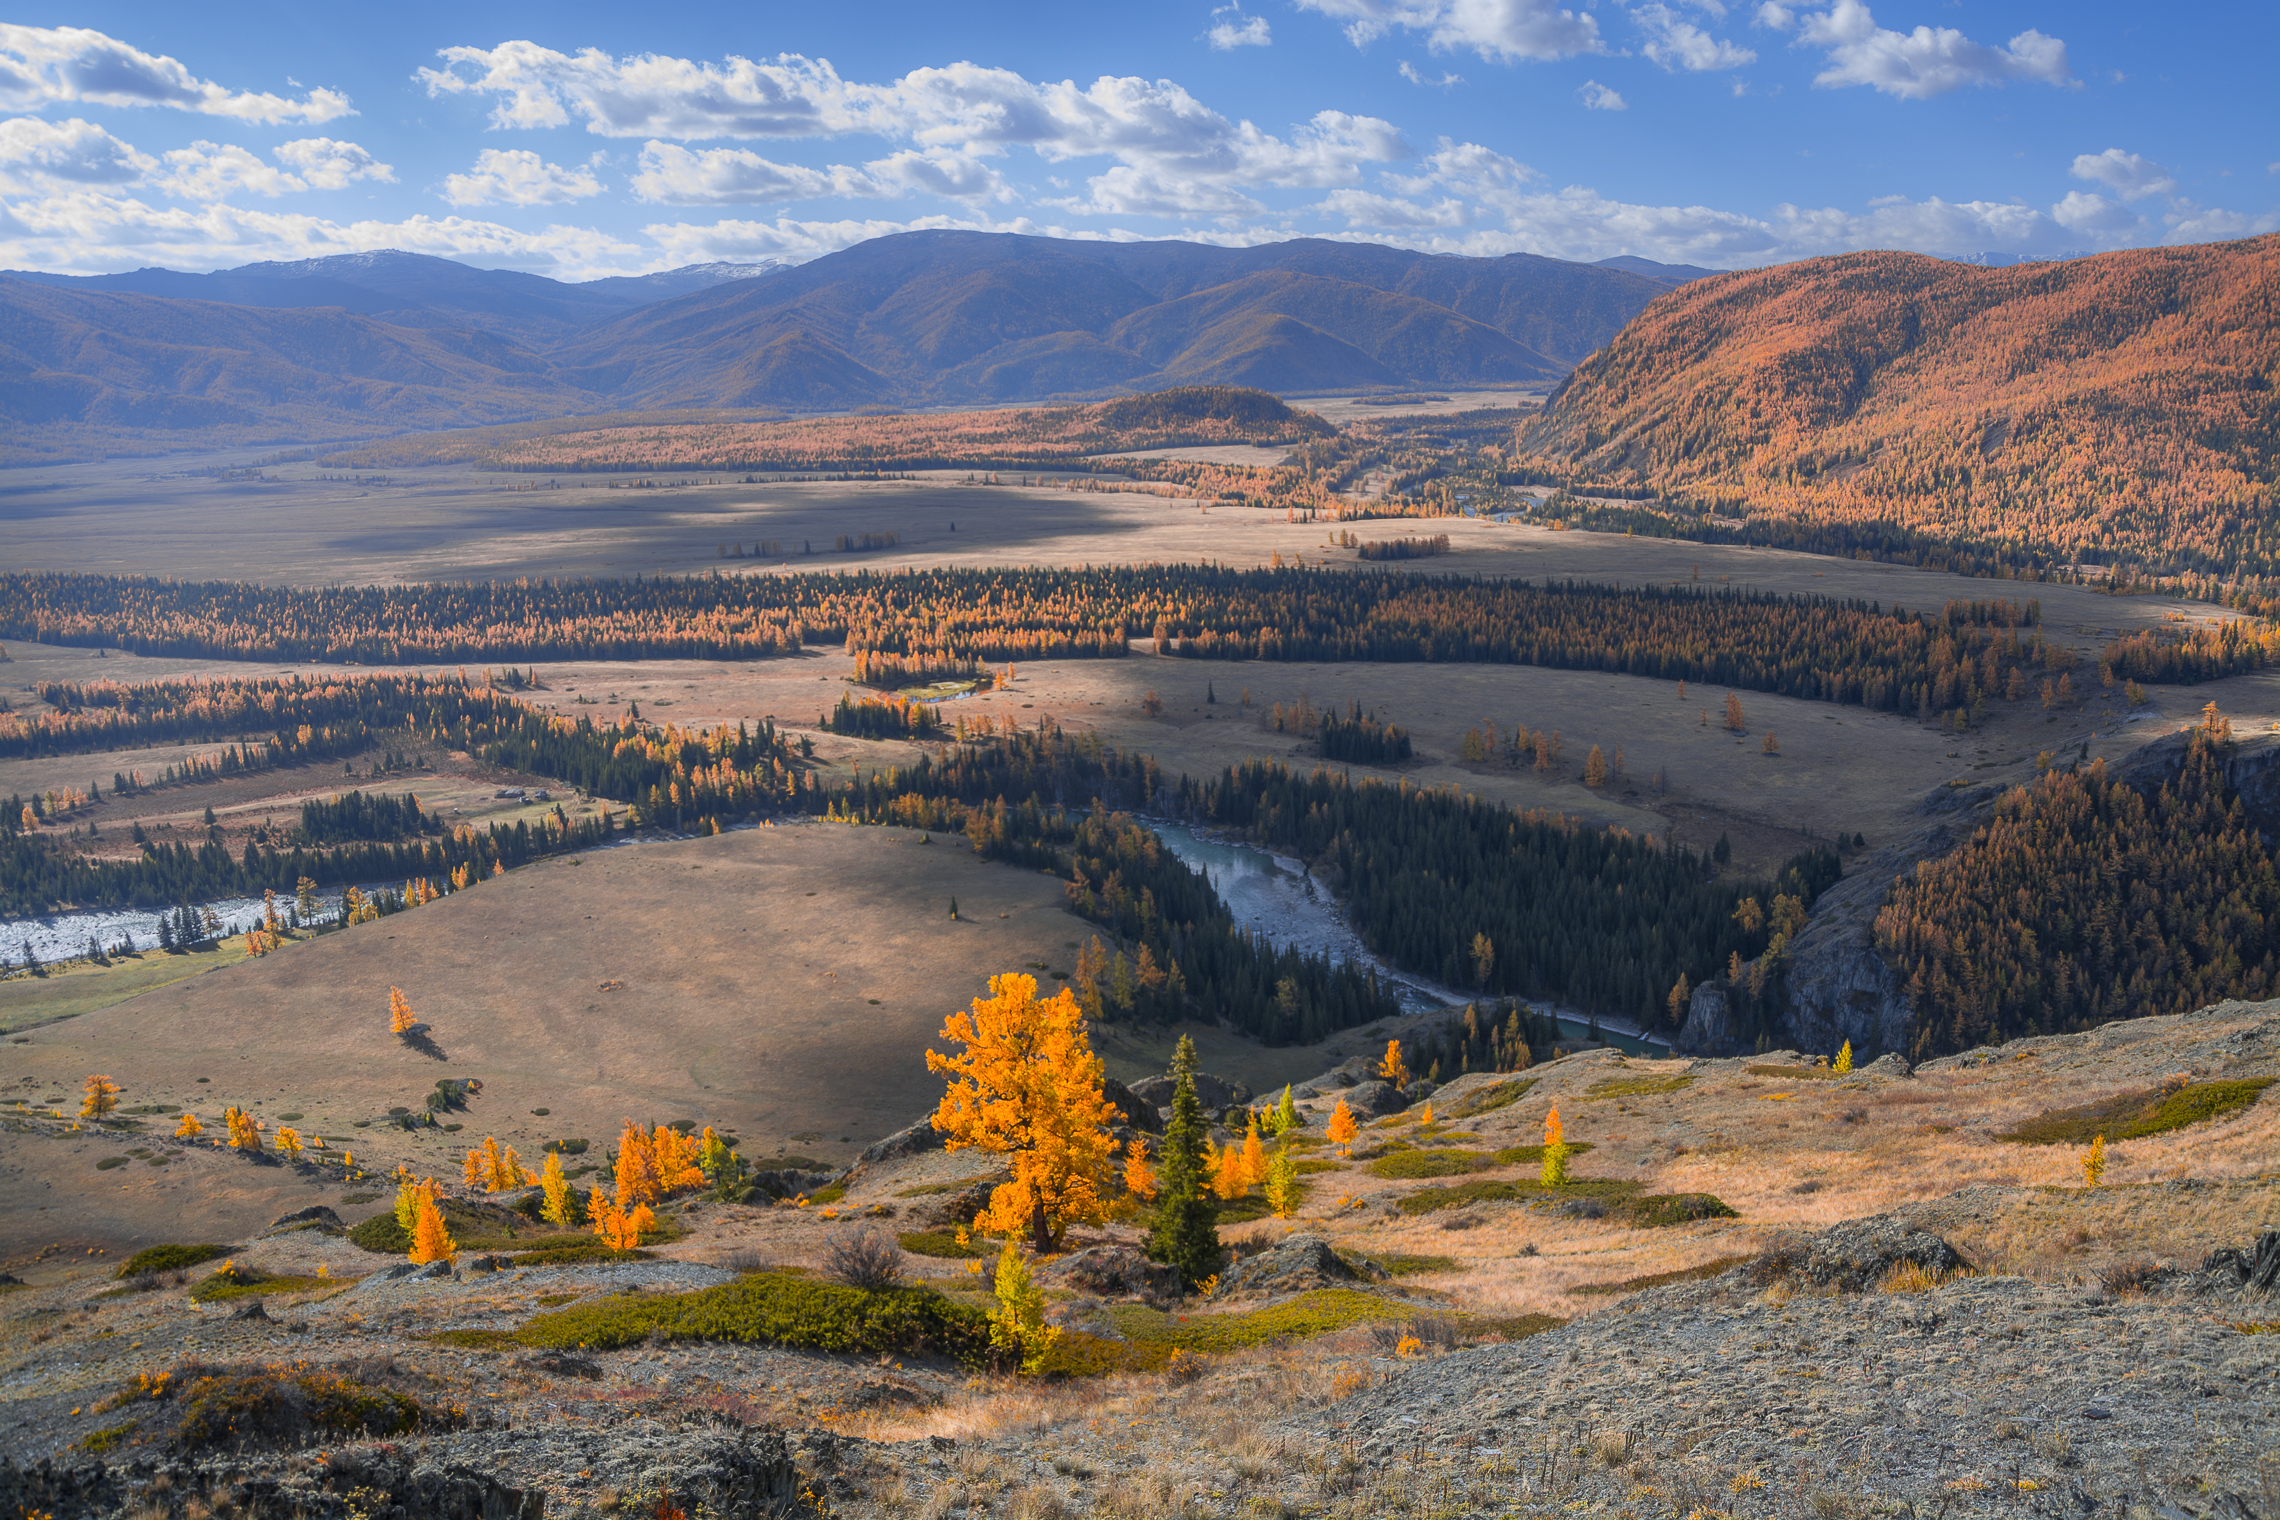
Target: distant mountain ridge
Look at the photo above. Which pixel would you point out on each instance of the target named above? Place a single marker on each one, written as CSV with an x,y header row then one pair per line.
x,y
2122,408
365,344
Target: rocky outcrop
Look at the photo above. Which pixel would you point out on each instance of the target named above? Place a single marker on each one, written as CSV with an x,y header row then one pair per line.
x,y
1709,1027
1214,1093
1115,1272
1133,1111
1856,1256
1297,1264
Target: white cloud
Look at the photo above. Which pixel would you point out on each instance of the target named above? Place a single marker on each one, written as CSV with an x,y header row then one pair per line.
x,y
1676,43
674,175
519,177
1598,97
1772,13
329,164
91,232
2090,214
42,66
71,152
207,171
1926,62
1238,30
2128,175
1167,144
1447,81
1498,30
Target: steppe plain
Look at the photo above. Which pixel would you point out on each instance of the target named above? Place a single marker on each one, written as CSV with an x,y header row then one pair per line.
x,y
783,982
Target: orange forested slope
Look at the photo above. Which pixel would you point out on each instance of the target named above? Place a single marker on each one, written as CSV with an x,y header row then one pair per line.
x,y
2118,409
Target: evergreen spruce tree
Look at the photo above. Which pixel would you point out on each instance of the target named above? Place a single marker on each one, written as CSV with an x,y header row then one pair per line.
x,y
1185,1235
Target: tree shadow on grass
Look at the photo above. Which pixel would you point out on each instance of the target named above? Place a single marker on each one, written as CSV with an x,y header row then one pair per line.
x,y
418,1039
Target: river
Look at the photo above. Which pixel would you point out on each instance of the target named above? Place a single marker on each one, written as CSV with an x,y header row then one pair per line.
x,y
63,936
1278,898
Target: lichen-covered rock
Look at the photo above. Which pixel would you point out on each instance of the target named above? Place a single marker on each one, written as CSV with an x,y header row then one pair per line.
x,y
1113,1271
1373,1100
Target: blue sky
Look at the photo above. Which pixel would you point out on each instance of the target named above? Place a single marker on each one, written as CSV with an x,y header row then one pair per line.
x,y
580,140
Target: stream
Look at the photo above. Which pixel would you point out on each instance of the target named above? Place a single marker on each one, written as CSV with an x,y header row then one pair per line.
x,y
63,936
1279,899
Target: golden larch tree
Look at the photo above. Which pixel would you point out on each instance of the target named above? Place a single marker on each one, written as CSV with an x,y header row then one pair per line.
x,y
1027,1085
1254,1157
189,1128
1734,713
102,1096
561,1206
1139,1179
430,1240
400,1015
1393,1069
1555,1149
1343,1129
637,1179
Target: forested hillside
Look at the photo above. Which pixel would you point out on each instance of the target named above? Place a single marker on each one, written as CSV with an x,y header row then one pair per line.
x,y
2114,410
2084,901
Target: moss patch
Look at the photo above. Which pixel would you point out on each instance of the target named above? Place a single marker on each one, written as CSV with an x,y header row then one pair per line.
x,y
1638,1087
931,1189
1489,1099
107,1440
2134,1115
1410,1165
1656,1210
235,1281
1427,1200
772,1308
1406,1264
1797,1073
576,1252
169,1259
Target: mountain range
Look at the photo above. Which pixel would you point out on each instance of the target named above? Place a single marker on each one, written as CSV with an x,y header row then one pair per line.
x,y
2116,408
366,344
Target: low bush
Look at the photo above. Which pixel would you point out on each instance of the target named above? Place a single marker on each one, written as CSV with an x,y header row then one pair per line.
x,y
1489,1099
235,1281
1411,1165
1407,1264
940,1243
572,1253
169,1259
1797,1073
1659,1209
863,1257
775,1309
105,1440
1426,1200
2135,1115
383,1235
1703,1273
1533,1155
1638,1087
275,1405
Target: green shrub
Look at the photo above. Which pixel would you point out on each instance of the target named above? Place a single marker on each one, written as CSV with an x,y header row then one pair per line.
x,y
831,1194
1426,1200
1405,1264
1410,1165
1533,1155
931,1189
237,1281
2134,1115
101,1441
1316,1168
383,1235
1703,1273
568,1147
1638,1087
772,1308
169,1259
1489,1099
108,1162
1659,1209
1310,1314
942,1243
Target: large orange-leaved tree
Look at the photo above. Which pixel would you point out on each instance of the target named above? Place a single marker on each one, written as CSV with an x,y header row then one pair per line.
x,y
1027,1086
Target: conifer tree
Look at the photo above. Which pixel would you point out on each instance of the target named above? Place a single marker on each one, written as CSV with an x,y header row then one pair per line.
x,y
1734,712
1392,1069
2093,1162
1555,1149
400,1015
1185,1232
1017,1324
1027,1085
637,1177
1286,1113
561,1206
430,1240
102,1096
1254,1157
245,1135
305,898
1139,1181
1282,1183
189,1128
1844,1059
289,1142
1343,1129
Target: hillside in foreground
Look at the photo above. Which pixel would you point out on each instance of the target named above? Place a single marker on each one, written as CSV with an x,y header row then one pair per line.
x,y
2115,410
